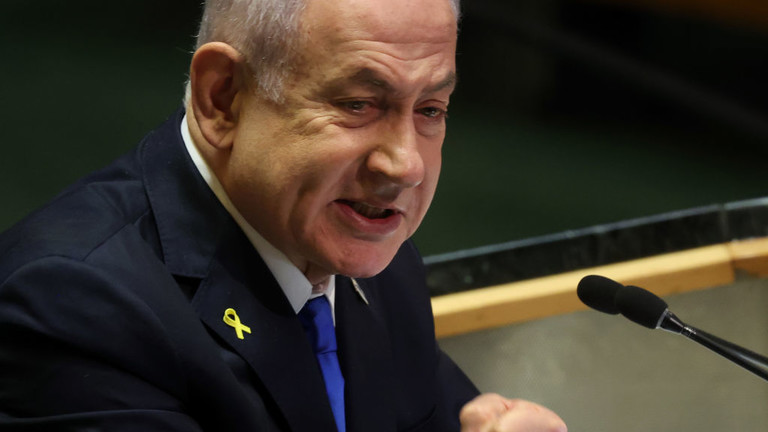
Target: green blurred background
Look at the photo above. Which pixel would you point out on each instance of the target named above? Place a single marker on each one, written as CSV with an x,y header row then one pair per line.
x,y
569,113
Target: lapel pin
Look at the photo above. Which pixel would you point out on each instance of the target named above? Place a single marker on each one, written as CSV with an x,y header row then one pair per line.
x,y
232,320
359,291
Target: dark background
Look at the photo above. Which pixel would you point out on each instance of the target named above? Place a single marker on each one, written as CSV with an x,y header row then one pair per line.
x,y
568,113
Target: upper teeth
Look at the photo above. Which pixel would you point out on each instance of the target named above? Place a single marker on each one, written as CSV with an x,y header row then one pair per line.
x,y
369,211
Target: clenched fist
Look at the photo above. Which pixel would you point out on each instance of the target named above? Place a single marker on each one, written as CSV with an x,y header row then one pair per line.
x,y
494,413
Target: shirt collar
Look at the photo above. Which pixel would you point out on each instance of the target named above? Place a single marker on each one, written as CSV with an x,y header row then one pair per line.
x,y
292,281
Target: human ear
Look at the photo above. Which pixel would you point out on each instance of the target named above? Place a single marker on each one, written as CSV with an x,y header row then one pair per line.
x,y
217,75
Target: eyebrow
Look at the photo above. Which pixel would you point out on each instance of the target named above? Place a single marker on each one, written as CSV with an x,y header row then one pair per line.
x,y
370,78
450,81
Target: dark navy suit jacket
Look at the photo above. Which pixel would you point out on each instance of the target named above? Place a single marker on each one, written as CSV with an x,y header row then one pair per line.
x,y
112,300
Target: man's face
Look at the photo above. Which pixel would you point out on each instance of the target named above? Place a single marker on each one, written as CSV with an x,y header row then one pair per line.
x,y
341,174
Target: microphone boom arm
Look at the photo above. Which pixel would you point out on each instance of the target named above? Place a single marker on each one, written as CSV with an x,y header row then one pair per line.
x,y
743,357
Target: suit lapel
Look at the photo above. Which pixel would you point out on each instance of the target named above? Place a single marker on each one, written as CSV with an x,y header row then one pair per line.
x,y
276,347
200,240
366,362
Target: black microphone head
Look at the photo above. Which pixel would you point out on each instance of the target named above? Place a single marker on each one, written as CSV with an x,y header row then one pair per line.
x,y
599,293
641,306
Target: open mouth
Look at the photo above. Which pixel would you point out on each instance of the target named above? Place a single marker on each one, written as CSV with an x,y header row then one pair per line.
x,y
368,211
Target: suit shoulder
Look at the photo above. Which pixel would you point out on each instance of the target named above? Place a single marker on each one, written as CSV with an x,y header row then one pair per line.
x,y
80,219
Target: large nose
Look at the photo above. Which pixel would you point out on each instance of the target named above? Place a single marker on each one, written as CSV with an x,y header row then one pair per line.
x,y
397,157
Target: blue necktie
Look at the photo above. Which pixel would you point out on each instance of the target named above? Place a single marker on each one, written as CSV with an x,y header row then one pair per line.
x,y
317,320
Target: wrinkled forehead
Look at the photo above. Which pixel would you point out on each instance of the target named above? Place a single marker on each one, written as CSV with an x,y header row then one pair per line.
x,y
375,46
390,21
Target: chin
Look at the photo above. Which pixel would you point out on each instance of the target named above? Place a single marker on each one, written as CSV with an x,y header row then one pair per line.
x,y
364,263
364,269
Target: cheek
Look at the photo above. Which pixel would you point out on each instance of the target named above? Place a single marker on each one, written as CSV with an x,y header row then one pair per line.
x,y
426,191
433,160
433,165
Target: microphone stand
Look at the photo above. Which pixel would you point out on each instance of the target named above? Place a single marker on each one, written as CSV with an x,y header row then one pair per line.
x,y
743,357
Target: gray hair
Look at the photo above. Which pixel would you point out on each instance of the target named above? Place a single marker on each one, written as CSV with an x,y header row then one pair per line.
x,y
266,32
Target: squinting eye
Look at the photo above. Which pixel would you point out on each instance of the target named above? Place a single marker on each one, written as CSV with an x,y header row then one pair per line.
x,y
433,112
355,105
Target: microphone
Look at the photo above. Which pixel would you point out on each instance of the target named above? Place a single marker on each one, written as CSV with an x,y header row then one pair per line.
x,y
642,307
647,309
598,292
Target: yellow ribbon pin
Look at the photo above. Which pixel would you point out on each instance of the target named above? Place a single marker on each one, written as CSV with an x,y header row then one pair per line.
x,y
232,320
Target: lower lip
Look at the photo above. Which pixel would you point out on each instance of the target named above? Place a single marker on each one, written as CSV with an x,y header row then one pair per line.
x,y
364,225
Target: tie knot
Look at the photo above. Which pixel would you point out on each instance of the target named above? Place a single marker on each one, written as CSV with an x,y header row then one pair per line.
x,y
317,320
